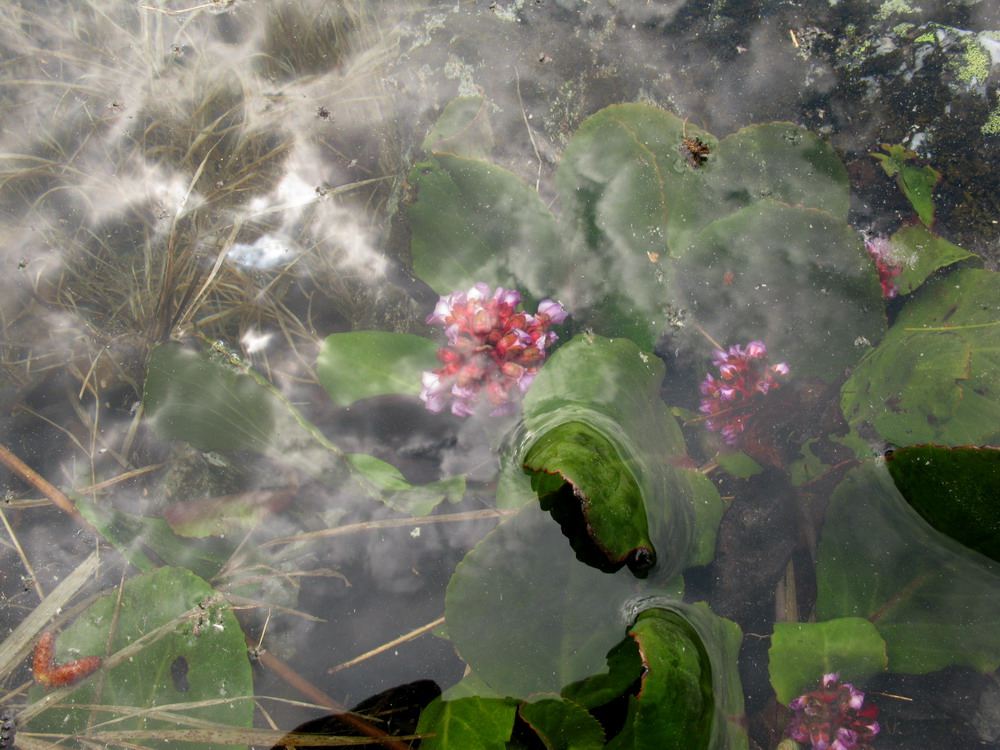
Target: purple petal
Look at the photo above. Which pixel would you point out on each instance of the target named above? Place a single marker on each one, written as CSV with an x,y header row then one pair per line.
x,y
479,291
556,312
507,296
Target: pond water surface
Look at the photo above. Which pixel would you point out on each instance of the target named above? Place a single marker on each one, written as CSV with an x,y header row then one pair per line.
x,y
255,525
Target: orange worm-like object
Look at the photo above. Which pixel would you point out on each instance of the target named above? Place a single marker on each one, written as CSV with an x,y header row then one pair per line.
x,y
50,675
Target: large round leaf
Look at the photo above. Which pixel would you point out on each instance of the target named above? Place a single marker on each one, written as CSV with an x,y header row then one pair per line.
x,y
527,615
473,221
956,490
934,378
361,364
621,179
934,602
801,652
796,278
529,618
612,388
196,655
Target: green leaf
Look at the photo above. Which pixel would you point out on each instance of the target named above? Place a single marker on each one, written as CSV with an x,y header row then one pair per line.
x,y
776,161
417,500
529,618
601,483
739,464
916,182
189,396
956,490
919,253
933,379
612,388
624,668
802,652
562,724
193,657
933,601
618,180
231,516
216,402
618,176
770,272
134,536
526,615
361,364
472,221
676,704
467,724
631,201
462,129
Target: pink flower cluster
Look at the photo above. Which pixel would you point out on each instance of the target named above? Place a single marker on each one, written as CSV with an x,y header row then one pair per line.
x,y
834,717
491,347
881,251
743,376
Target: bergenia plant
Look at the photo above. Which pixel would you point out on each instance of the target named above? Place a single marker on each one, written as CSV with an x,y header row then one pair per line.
x,y
744,378
882,253
751,243
833,717
492,348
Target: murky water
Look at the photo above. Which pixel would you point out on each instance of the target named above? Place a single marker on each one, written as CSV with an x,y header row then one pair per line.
x,y
235,177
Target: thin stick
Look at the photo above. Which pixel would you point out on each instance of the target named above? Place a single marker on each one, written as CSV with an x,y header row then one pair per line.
x,y
386,646
41,484
388,523
316,695
120,478
531,136
24,557
704,333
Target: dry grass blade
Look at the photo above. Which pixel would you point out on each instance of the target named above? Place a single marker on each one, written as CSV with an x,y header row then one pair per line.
x,y
390,523
24,558
16,646
415,633
41,484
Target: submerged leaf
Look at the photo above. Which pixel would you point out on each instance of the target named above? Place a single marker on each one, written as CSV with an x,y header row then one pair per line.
x,y
189,396
462,129
633,200
222,404
529,618
771,272
562,724
801,652
134,536
362,364
932,600
473,221
933,379
956,490
467,724
209,641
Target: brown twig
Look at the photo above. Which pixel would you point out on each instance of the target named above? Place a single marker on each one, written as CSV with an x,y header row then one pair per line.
x,y
386,646
316,695
41,484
